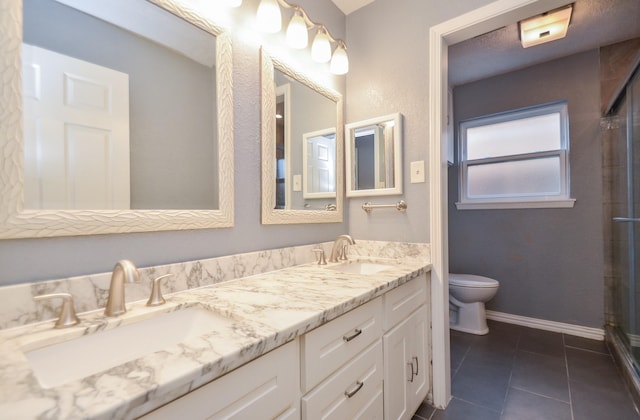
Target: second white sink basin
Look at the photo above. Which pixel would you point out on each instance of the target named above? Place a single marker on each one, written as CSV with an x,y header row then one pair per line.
x,y
90,354
360,267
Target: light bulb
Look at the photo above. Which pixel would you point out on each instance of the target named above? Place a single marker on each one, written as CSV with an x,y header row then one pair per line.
x,y
321,47
340,61
269,18
297,35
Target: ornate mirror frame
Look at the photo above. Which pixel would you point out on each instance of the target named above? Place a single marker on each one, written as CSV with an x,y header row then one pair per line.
x,y
270,215
16,222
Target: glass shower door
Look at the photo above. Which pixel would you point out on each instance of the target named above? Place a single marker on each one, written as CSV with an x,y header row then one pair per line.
x,y
626,208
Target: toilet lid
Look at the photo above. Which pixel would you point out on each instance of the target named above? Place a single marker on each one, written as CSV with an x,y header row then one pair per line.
x,y
470,280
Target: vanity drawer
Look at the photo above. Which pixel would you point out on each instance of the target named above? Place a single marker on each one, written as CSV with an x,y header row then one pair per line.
x,y
361,378
401,301
330,346
264,388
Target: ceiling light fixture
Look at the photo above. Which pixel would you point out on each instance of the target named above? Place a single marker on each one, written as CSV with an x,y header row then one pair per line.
x,y
269,19
545,27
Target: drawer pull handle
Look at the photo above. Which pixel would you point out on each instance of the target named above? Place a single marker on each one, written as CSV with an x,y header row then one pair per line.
x,y
410,364
355,333
355,390
415,372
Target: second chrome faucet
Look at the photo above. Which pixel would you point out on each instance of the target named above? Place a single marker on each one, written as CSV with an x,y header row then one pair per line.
x,y
339,251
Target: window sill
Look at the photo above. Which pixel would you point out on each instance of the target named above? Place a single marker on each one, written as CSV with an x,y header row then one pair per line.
x,y
534,204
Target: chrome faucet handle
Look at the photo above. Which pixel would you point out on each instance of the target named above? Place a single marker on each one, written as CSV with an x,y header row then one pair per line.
x,y
343,255
320,255
156,297
67,317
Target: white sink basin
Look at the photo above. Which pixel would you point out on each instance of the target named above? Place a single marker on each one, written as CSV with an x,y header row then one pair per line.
x,y
90,354
360,267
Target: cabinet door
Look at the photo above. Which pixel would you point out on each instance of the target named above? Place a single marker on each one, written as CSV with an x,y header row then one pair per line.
x,y
406,370
419,335
268,387
397,371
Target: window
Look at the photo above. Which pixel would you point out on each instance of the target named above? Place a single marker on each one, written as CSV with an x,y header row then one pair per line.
x,y
516,159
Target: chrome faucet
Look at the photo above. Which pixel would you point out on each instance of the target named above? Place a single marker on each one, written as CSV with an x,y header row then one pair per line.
x,y
340,251
123,270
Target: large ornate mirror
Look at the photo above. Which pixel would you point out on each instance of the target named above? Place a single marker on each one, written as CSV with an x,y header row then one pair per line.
x,y
116,118
373,156
302,148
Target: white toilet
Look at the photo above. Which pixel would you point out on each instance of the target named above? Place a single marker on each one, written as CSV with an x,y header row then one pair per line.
x,y
467,295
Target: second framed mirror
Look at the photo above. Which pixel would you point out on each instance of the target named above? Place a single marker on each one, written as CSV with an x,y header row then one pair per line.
x,y
373,155
302,148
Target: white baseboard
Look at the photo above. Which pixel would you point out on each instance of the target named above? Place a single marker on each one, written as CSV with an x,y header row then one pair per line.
x,y
543,324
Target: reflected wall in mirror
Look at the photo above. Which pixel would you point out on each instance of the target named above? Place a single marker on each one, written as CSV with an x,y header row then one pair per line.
x,y
304,173
119,113
374,156
301,148
127,119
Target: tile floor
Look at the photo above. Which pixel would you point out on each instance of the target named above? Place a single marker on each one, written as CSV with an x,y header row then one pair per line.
x,y
518,373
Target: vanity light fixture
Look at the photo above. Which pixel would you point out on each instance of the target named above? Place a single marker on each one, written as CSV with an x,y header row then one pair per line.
x,y
269,19
297,34
321,47
234,3
546,27
339,61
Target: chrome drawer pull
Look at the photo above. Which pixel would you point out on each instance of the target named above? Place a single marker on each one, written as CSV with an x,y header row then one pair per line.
x,y
417,368
356,333
350,394
410,364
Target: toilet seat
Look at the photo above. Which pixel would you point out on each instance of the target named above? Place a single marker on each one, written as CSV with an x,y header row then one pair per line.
x,y
471,280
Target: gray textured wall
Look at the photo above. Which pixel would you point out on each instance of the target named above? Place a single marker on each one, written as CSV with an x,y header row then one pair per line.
x,y
25,260
549,261
389,68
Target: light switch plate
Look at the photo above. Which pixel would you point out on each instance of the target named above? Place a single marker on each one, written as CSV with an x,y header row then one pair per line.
x,y
417,172
297,182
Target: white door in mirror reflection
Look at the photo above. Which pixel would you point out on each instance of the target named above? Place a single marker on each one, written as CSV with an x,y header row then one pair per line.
x,y
76,123
319,155
373,156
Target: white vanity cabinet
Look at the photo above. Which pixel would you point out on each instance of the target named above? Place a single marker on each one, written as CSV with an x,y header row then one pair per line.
x,y
369,363
406,349
372,362
342,366
266,388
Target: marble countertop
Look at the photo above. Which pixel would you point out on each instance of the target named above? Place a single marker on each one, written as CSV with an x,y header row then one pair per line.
x,y
262,312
